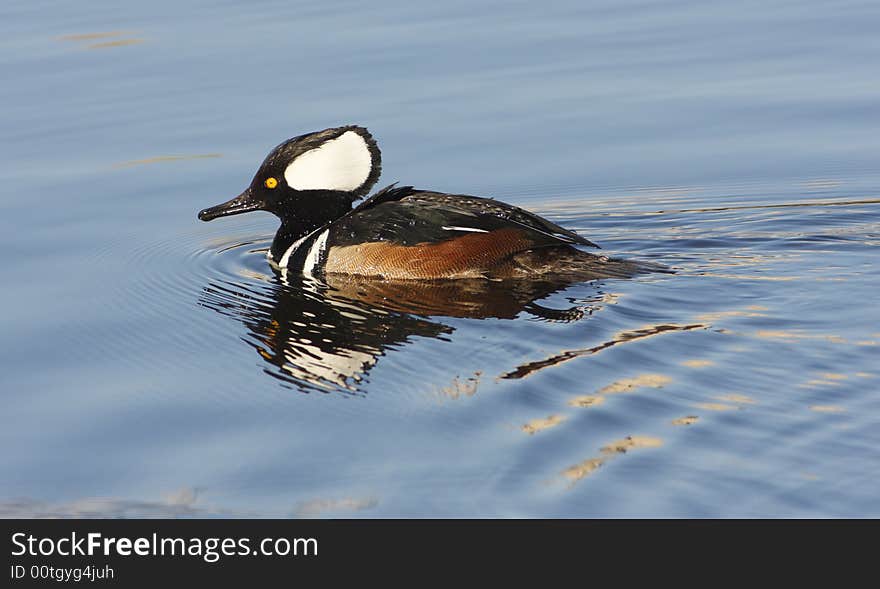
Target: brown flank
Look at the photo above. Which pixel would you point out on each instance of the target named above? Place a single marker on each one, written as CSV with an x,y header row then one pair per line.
x,y
468,256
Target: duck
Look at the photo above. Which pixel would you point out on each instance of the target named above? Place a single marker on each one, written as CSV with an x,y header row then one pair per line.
x,y
311,183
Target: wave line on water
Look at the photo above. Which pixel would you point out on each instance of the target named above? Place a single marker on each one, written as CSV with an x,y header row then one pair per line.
x,y
530,368
827,203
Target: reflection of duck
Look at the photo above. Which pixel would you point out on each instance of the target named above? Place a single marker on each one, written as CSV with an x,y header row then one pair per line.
x,y
311,181
312,340
329,335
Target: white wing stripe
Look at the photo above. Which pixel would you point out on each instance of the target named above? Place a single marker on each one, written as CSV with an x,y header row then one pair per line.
x,y
472,229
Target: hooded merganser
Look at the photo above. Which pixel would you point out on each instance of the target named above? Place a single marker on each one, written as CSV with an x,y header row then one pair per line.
x,y
311,182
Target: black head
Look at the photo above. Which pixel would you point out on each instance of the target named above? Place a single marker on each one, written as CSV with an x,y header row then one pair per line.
x,y
310,179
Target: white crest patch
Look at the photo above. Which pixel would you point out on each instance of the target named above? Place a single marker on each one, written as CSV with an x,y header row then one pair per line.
x,y
343,163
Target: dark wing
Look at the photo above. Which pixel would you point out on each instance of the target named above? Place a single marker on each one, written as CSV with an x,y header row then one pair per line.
x,y
390,193
482,208
406,216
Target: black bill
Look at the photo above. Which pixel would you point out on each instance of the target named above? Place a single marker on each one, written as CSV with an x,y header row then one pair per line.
x,y
242,203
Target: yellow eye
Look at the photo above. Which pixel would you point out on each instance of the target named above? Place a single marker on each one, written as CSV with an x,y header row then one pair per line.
x,y
271,183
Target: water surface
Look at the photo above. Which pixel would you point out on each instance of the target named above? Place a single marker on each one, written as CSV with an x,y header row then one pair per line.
x,y
155,365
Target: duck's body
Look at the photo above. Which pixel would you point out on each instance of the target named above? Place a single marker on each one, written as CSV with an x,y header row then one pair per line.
x,y
311,182
403,233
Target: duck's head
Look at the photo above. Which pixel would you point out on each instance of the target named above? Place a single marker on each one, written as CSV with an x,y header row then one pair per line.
x,y
310,179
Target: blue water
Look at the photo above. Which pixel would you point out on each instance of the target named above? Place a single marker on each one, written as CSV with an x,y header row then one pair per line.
x,y
155,365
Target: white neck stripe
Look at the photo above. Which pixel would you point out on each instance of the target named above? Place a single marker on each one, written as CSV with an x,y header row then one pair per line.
x,y
314,255
285,257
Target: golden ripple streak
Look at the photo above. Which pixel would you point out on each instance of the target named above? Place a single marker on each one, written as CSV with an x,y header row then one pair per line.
x,y
166,158
834,376
117,43
716,406
697,363
825,379
586,401
81,38
318,506
537,425
827,408
713,317
626,385
818,382
686,420
92,36
183,503
797,335
530,368
580,470
630,443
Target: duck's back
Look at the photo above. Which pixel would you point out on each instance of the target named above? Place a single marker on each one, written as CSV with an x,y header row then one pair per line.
x,y
403,233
